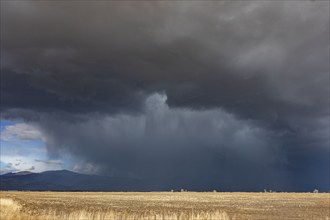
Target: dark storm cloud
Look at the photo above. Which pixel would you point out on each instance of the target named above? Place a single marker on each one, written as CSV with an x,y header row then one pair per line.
x,y
179,147
260,59
72,68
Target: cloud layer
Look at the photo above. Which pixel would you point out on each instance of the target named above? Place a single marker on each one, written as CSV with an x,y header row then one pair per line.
x,y
186,90
20,131
171,145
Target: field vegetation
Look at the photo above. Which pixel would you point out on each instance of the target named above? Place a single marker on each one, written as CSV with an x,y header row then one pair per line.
x,y
162,205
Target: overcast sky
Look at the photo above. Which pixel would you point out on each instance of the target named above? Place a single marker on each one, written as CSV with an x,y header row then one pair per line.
x,y
197,94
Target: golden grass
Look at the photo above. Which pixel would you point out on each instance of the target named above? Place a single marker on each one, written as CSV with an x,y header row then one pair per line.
x,y
13,211
162,205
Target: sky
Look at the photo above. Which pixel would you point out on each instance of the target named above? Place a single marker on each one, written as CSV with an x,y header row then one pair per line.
x,y
229,94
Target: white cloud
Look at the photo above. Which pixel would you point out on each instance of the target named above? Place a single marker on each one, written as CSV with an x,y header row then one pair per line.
x,y
27,164
20,131
7,168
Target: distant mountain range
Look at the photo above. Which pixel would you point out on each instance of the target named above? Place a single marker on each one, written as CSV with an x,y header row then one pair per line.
x,y
64,180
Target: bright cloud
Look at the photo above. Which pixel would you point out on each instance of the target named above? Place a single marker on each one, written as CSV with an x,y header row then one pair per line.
x,y
22,163
20,131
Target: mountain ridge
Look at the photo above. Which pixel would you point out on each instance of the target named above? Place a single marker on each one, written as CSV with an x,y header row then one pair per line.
x,y
65,180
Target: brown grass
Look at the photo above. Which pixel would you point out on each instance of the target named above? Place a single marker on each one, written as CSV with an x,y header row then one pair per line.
x,y
162,205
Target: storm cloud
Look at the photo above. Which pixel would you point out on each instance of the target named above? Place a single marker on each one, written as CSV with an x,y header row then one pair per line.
x,y
190,92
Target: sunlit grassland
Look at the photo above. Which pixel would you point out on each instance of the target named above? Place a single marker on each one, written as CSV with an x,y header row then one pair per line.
x,y
162,205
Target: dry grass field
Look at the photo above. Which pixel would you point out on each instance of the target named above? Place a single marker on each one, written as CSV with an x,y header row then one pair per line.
x,y
163,205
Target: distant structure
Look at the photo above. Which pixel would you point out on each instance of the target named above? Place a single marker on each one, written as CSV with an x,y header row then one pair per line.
x,y
315,191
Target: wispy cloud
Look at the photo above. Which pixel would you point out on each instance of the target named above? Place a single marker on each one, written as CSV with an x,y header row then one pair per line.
x,y
54,162
7,168
20,131
9,164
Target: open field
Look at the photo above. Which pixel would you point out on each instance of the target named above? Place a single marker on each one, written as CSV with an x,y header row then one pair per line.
x,y
163,205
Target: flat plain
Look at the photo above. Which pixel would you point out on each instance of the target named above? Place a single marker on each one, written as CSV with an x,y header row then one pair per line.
x,y
162,205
